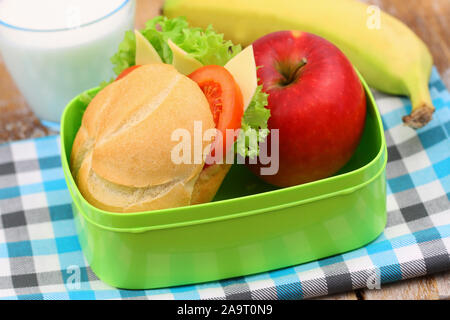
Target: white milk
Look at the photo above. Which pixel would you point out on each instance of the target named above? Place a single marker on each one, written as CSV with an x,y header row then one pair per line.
x,y
55,49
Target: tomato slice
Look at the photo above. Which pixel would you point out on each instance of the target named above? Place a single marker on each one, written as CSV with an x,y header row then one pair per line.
x,y
225,100
126,72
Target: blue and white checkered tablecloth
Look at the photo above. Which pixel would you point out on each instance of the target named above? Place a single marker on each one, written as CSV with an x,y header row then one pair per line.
x,y
39,246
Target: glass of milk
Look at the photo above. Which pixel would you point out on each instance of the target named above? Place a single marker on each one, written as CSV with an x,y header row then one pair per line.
x,y
56,49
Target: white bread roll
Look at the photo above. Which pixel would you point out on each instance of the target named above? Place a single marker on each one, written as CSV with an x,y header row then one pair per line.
x,y
121,156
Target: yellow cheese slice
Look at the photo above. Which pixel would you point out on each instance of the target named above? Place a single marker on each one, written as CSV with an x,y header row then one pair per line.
x,y
243,69
182,61
145,53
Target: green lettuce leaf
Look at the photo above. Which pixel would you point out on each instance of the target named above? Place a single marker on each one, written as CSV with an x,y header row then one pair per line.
x,y
86,97
254,125
124,57
205,45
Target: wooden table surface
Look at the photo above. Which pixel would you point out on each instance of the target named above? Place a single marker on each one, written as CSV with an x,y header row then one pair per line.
x,y
428,18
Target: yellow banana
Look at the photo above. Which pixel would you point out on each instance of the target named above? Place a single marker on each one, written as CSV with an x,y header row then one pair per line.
x,y
387,53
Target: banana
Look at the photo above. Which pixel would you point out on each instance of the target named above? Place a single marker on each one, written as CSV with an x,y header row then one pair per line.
x,y
388,54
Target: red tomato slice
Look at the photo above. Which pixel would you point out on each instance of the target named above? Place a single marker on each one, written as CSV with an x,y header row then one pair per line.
x,y
126,72
225,100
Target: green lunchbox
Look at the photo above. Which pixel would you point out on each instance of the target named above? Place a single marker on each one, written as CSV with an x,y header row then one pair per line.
x,y
250,226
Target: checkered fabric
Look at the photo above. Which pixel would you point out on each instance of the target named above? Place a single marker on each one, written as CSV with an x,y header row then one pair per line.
x,y
40,253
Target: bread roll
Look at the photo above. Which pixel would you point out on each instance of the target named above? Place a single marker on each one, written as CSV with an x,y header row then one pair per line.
x,y
121,156
209,182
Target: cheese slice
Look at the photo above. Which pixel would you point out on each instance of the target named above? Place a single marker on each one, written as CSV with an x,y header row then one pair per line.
x,y
145,53
182,61
243,69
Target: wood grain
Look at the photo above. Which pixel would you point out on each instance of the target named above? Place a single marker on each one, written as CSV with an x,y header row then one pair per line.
x,y
443,285
351,295
17,121
424,288
146,9
429,19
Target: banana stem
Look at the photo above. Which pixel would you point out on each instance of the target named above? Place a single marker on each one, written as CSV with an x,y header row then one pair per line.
x,y
422,106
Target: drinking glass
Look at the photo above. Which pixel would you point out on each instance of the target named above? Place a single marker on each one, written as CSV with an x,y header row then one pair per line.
x,y
56,49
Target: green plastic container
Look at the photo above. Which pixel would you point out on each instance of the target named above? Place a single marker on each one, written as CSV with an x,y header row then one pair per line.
x,y
250,226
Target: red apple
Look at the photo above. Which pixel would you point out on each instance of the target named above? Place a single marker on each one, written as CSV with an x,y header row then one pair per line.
x,y
317,102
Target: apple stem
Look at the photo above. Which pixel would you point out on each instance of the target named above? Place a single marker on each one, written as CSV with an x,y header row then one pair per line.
x,y
291,75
